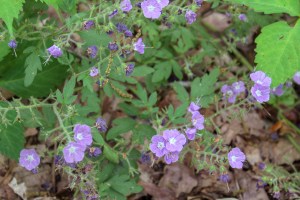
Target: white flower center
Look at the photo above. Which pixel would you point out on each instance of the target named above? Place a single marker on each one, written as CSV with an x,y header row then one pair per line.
x,y
259,82
258,93
237,87
30,158
72,149
79,136
172,140
230,93
233,158
194,121
160,145
150,8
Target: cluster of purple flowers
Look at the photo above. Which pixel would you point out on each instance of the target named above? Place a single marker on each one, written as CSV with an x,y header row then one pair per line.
x,y
168,145
261,88
122,28
197,121
230,92
74,151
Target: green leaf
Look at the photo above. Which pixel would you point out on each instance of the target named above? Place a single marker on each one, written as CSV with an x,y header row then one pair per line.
x,y
152,99
291,7
124,185
10,10
183,95
142,71
278,51
53,3
204,88
141,132
32,64
111,154
164,70
11,138
121,125
12,77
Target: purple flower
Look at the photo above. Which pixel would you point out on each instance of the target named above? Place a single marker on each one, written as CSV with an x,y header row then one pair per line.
x,y
114,13
296,78
126,5
191,133
276,195
158,146
260,93
101,124
171,157
224,178
94,151
128,33
29,159
129,69
12,44
88,24
193,107
83,134
163,3
228,93
174,140
139,46
54,51
73,152
151,9
243,17
92,51
261,166
236,158
190,16
199,2
278,91
94,72
121,27
261,78
260,184
238,87
58,160
198,120
145,158
289,84
112,46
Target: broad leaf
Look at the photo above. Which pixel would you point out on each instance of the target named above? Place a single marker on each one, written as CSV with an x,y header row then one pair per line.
x,y
291,7
32,64
278,51
10,9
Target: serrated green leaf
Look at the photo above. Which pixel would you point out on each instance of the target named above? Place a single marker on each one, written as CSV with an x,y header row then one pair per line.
x,y
142,71
291,7
124,185
53,3
141,132
10,10
152,99
204,88
182,94
32,64
121,125
69,87
282,60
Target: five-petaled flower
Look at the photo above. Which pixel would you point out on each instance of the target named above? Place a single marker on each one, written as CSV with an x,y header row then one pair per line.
x,y
139,46
174,140
198,120
236,158
83,134
158,146
29,159
74,152
151,9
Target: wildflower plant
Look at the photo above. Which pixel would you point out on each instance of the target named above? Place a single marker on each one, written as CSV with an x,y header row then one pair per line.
x,y
131,50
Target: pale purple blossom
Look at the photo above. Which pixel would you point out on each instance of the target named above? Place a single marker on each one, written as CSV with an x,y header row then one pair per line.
x,y
126,5
198,120
243,17
193,107
129,69
83,134
190,16
151,9
238,87
158,145
199,2
163,3
12,44
54,51
139,46
278,91
296,78
94,72
92,51
171,157
74,152
224,178
191,133
112,46
101,124
94,151
29,159
228,93
113,13
174,140
236,158
261,78
88,25
260,93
